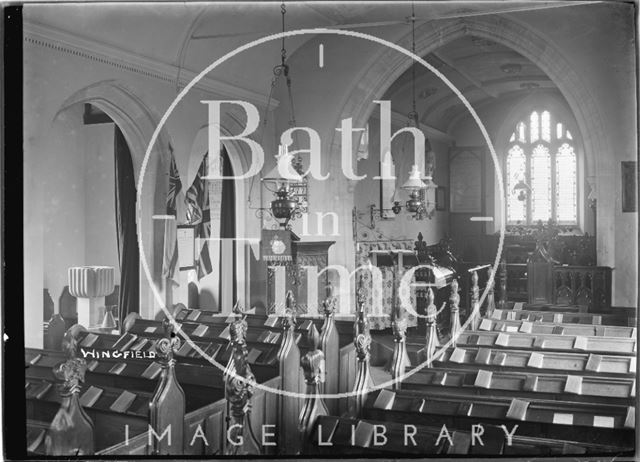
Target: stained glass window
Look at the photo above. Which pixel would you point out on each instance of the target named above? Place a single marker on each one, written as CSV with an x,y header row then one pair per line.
x,y
521,132
540,183
545,126
566,194
541,172
535,126
516,171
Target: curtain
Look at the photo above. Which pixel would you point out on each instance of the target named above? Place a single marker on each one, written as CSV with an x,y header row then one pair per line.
x,y
128,254
228,215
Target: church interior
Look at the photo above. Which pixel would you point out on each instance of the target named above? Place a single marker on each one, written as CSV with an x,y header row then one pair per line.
x,y
377,228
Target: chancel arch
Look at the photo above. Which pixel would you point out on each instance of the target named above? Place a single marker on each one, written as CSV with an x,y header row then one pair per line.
x,y
388,65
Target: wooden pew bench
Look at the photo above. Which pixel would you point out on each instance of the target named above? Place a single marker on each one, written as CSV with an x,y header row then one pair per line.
x,y
202,384
561,317
476,380
210,421
265,353
584,422
338,430
114,410
496,359
36,434
344,358
533,327
264,322
543,342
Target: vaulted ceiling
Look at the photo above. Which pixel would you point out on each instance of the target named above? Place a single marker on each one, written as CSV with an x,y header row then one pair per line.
x,y
192,35
484,71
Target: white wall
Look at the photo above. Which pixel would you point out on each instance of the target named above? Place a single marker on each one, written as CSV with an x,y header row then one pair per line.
x,y
367,191
77,175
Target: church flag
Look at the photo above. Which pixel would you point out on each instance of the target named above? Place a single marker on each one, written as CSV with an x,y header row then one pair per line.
x,y
170,255
199,214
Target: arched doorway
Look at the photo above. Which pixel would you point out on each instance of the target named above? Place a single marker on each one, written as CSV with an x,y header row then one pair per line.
x,y
224,282
137,123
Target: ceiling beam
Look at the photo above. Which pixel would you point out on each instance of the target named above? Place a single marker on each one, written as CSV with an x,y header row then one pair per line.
x,y
464,74
508,96
400,120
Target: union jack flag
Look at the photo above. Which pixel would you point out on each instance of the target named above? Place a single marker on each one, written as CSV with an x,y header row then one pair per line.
x,y
199,214
170,257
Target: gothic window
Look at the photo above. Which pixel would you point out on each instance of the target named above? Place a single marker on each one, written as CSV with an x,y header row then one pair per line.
x,y
541,172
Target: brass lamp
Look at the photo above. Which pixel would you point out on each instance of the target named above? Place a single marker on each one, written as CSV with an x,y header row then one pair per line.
x,y
414,185
284,206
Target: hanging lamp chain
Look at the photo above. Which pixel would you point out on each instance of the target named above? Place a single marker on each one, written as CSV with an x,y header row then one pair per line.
x,y
413,116
283,51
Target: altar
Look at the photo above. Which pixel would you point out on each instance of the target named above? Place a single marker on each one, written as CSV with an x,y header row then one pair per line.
x,y
431,267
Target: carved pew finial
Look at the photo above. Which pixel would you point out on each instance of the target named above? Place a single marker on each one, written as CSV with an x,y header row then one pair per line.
x,y
313,366
289,437
454,307
431,339
330,346
475,301
502,304
400,359
491,301
362,343
71,430
237,309
290,301
330,302
360,294
237,331
167,407
239,386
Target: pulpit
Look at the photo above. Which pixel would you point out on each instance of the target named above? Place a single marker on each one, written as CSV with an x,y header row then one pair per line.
x,y
292,265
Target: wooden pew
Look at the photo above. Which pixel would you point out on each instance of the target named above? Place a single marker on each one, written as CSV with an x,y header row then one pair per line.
x,y
203,382
543,361
203,385
533,327
205,428
344,356
36,434
584,422
564,317
338,431
539,342
265,322
477,380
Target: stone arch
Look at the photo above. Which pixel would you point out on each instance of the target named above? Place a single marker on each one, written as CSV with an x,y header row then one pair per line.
x,y
388,65
137,123
240,158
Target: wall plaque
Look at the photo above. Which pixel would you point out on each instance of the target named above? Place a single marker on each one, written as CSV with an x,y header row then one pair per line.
x,y
465,180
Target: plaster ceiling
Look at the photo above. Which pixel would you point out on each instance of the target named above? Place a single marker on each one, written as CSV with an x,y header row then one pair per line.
x,y
192,35
483,70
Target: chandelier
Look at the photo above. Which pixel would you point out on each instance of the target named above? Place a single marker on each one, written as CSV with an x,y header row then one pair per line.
x,y
421,202
290,188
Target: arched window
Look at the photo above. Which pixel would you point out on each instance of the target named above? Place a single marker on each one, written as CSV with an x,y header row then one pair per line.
x,y
541,172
